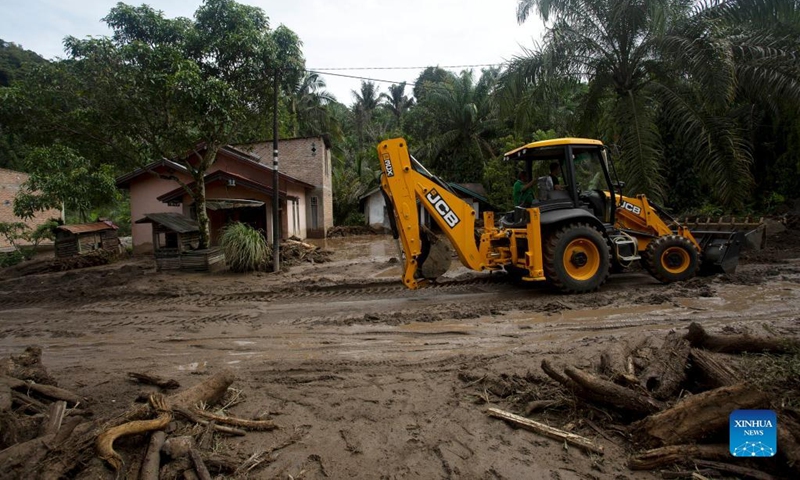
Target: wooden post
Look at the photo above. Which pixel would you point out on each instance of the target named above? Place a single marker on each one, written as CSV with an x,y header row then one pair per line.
x,y
547,431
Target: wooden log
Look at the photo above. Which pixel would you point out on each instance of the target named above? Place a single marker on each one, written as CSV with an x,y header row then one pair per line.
x,y
105,441
613,394
237,422
219,428
166,384
712,369
667,371
151,464
5,398
739,343
221,463
80,452
15,459
547,431
537,405
617,364
54,418
199,465
28,404
568,383
27,366
49,391
789,441
697,416
742,472
661,457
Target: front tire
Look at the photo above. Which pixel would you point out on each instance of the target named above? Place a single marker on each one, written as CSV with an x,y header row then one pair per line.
x,y
576,259
671,258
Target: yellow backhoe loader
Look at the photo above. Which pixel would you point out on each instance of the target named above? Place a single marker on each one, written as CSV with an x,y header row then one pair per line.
x,y
572,237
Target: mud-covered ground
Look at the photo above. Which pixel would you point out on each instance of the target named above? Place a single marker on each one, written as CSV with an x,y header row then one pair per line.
x,y
365,378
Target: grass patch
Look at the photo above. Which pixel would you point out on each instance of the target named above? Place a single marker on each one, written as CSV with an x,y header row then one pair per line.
x,y
246,249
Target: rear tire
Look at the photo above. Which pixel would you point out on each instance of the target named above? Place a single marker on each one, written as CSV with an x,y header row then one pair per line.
x,y
576,259
671,258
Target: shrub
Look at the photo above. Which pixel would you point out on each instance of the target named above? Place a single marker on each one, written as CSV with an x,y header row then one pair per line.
x,y
245,248
10,259
355,219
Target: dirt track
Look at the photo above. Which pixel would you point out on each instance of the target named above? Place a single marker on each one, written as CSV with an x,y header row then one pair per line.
x,y
368,375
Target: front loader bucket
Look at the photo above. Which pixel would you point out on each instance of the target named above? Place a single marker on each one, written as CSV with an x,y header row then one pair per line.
x,y
721,239
720,251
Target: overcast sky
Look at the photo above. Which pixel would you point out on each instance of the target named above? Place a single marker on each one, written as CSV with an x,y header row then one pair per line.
x,y
342,33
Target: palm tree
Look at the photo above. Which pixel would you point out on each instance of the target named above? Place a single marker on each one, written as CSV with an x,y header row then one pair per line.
x,y
465,123
309,106
647,61
367,101
396,101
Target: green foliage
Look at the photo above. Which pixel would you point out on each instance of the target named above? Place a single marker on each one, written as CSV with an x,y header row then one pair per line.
x,y
498,179
348,187
13,60
17,233
355,219
663,69
58,175
779,374
458,120
246,249
9,259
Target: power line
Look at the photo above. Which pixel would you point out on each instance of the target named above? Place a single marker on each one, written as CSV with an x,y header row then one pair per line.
x,y
328,71
409,68
356,77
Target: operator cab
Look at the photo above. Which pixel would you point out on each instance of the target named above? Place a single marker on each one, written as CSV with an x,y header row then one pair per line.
x,y
583,181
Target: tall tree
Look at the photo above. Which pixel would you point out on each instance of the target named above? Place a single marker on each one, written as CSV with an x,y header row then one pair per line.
x,y
645,60
175,88
396,101
465,124
309,104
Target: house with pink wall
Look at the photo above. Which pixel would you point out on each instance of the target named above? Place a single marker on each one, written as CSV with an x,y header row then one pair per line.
x,y
238,189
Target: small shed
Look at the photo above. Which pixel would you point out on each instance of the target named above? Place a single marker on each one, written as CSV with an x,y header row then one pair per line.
x,y
73,240
175,241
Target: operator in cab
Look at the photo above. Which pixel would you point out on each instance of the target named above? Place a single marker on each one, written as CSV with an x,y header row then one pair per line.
x,y
523,190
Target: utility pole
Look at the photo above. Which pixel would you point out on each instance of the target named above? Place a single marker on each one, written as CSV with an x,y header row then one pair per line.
x,y
276,220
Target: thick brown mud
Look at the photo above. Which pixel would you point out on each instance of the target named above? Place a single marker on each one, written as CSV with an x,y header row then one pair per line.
x,y
368,374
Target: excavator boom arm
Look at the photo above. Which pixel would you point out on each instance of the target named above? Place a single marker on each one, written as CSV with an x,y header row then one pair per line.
x,y
404,187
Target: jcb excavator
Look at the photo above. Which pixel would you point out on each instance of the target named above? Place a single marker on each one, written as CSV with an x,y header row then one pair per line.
x,y
571,237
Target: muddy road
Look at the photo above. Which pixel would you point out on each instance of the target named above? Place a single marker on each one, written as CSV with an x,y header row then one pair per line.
x,y
365,376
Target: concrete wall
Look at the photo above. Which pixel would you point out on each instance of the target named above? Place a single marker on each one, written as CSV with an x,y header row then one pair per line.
x,y
306,159
10,182
144,193
375,210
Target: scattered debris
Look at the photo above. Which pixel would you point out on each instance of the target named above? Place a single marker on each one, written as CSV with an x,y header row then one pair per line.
x,y
294,252
676,400
349,231
59,442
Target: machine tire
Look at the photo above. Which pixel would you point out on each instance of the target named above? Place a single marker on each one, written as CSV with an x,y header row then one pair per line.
x,y
576,259
671,258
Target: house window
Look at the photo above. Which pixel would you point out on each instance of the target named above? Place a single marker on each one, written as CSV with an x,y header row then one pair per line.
x,y
314,212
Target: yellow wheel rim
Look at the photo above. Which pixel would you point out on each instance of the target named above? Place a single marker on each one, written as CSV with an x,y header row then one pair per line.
x,y
581,259
675,260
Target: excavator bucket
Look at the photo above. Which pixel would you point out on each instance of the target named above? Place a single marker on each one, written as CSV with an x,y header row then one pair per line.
x,y
722,239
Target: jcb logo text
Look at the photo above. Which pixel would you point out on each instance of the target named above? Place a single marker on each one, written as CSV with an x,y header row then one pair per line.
x,y
443,209
631,208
